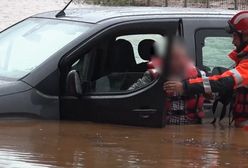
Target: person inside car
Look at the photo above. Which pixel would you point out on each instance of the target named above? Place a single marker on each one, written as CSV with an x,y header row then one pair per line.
x,y
147,50
235,79
181,109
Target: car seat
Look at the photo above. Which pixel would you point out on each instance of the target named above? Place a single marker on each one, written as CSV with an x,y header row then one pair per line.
x,y
122,56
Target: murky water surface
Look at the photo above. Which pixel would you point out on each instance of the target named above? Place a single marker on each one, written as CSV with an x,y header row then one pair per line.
x,y
82,144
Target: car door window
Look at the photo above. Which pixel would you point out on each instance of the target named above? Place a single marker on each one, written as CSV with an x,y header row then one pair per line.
x,y
118,64
215,52
212,49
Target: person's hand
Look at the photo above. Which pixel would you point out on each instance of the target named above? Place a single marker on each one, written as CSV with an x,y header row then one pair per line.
x,y
173,86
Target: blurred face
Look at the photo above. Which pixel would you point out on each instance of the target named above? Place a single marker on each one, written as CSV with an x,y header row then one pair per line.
x,y
236,40
179,60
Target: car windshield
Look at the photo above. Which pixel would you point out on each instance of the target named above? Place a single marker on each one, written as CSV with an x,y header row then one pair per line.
x,y
26,45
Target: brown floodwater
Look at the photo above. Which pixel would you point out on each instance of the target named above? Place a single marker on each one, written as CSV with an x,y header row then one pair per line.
x,y
33,143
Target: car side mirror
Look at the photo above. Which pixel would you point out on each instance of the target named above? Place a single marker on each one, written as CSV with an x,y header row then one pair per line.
x,y
73,84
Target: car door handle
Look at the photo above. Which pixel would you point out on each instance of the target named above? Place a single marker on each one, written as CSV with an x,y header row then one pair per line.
x,y
145,113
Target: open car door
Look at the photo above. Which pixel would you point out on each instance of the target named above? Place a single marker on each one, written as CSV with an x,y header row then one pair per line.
x,y
140,107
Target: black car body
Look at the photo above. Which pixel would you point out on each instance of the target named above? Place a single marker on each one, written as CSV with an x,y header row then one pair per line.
x,y
39,88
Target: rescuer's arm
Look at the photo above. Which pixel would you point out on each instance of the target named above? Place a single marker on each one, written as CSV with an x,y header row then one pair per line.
x,y
217,83
225,82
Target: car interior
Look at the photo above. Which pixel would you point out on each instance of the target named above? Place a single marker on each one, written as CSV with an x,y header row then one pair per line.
x,y
113,65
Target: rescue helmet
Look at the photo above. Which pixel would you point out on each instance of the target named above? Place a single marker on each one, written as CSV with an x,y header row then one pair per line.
x,y
238,23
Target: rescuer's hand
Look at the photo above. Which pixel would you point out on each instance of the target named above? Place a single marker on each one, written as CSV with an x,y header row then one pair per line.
x,y
173,86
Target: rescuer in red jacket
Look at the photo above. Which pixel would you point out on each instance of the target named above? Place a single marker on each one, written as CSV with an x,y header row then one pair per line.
x,y
232,80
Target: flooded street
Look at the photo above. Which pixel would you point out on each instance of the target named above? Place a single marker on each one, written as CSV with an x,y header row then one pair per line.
x,y
81,144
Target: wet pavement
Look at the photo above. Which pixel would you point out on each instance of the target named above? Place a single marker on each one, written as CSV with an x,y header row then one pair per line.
x,y
13,11
32,143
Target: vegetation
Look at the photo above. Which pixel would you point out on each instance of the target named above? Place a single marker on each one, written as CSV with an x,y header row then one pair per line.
x,y
241,4
116,2
139,2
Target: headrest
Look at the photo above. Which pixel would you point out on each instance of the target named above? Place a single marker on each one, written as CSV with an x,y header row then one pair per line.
x,y
146,49
122,56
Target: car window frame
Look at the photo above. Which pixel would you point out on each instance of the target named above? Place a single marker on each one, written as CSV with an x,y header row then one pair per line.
x,y
116,29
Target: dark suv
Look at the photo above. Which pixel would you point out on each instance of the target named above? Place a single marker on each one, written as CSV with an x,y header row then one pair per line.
x,y
79,66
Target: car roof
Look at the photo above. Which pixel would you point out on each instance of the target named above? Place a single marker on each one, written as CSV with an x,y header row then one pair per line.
x,y
96,14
